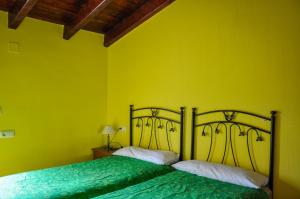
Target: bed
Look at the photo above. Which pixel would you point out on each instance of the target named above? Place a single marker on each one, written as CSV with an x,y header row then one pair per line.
x,y
93,178
181,184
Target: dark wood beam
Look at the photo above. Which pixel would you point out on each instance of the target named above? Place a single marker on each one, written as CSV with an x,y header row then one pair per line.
x,y
18,11
91,9
144,12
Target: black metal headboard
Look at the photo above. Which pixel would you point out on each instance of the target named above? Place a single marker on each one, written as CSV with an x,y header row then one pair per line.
x,y
157,120
231,122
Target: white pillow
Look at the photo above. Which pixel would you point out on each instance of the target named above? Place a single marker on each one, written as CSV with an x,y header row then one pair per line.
x,y
154,156
234,175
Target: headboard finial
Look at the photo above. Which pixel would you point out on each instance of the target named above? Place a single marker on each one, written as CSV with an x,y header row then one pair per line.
x,y
273,113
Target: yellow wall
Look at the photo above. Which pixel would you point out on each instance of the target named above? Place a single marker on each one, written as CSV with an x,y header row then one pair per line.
x,y
216,54
53,93
207,54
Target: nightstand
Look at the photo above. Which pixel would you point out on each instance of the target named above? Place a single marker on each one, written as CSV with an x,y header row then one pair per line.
x,y
101,152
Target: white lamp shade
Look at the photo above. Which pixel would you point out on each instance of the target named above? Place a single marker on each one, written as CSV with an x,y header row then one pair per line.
x,y
108,130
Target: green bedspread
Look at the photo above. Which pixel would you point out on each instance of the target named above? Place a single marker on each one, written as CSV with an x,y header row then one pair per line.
x,y
182,185
82,180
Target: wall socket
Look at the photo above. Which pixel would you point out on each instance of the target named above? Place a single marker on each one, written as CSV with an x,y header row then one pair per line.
x,y
7,134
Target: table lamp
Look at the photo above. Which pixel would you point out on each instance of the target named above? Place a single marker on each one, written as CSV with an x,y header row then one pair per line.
x,y
108,130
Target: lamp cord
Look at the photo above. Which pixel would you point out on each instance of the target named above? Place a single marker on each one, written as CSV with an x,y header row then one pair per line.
x,y
112,142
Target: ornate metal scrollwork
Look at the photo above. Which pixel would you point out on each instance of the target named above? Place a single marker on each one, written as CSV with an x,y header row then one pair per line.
x,y
160,125
158,121
155,122
242,133
229,123
154,112
140,124
229,116
235,128
259,138
172,129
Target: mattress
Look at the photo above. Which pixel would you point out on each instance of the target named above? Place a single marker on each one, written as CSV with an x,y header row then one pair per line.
x,y
81,180
183,185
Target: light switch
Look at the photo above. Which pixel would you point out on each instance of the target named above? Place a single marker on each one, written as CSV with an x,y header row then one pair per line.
x,y
7,134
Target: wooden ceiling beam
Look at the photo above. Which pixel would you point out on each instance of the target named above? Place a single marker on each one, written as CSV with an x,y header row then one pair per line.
x,y
91,9
18,11
144,12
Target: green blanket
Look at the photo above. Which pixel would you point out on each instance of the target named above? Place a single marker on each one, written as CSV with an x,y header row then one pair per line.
x,y
82,180
182,185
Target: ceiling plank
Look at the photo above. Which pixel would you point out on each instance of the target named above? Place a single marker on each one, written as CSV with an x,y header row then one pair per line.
x,y
144,12
91,9
18,11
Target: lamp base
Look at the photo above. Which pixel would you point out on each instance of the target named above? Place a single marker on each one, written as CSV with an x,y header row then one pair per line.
x,y
108,142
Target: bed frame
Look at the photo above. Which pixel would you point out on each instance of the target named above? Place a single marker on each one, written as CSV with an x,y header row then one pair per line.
x,y
232,123
157,119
